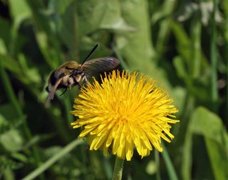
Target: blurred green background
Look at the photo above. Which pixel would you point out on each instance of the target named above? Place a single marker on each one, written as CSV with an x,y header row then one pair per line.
x,y
183,45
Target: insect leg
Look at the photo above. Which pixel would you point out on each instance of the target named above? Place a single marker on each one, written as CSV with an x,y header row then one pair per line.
x,y
85,79
64,91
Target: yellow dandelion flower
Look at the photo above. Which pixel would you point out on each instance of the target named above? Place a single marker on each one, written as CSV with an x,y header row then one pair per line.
x,y
125,112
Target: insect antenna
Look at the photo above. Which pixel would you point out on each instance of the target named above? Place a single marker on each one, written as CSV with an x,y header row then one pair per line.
x,y
87,57
91,52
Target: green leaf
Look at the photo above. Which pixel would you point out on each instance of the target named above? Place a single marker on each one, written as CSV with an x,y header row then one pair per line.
x,y
180,68
112,17
136,46
7,164
60,5
10,64
218,158
4,125
11,140
163,13
53,159
183,41
170,168
30,74
4,32
20,157
179,94
189,49
19,10
209,125
103,15
3,49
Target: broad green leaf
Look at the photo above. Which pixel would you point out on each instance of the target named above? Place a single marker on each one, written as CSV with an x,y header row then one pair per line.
x,y
112,19
5,32
3,49
11,140
103,15
218,158
136,47
87,21
19,10
209,125
60,6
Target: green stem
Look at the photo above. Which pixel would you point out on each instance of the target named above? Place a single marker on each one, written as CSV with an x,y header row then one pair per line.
x,y
157,160
118,169
170,168
196,53
214,61
226,57
68,107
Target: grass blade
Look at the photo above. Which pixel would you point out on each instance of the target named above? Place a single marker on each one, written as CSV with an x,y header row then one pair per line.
x,y
214,61
170,168
53,159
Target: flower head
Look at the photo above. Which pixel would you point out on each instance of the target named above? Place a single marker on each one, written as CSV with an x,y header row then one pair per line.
x,y
125,112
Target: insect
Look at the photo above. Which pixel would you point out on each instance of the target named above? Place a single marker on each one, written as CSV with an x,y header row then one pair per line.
x,y
72,74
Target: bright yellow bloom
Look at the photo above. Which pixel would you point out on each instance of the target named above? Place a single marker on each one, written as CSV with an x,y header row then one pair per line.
x,y
125,112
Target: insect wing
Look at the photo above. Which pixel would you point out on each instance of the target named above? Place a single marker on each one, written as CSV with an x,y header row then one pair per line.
x,y
96,66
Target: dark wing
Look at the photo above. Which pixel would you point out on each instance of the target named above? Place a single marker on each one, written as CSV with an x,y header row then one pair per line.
x,y
94,67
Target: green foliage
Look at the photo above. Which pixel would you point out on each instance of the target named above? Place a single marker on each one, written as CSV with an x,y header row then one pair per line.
x,y
182,45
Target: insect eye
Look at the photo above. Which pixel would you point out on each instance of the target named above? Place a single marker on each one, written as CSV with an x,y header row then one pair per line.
x,y
47,89
55,76
77,71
